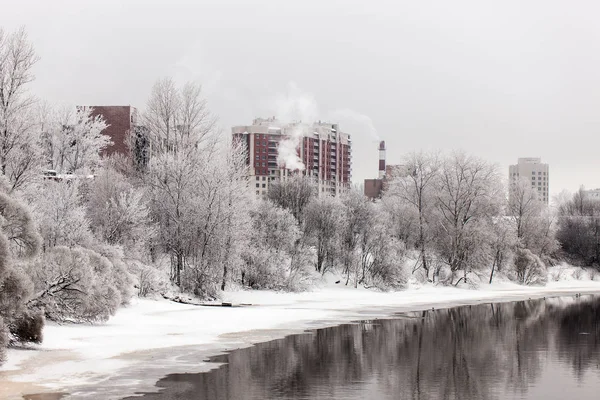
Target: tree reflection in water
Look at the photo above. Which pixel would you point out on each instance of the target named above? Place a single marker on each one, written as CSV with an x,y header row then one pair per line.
x,y
489,351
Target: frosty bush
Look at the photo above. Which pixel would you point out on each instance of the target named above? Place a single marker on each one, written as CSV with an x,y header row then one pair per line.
x,y
529,269
19,242
76,284
276,256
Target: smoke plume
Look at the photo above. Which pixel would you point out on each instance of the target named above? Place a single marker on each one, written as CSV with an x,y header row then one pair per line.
x,y
297,109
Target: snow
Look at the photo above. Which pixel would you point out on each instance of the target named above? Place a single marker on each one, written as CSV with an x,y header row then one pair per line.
x,y
75,358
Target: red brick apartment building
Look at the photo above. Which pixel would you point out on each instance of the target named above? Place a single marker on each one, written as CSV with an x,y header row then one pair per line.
x,y
120,120
325,152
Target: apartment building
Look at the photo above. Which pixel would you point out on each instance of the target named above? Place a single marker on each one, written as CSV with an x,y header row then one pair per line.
x,y
276,150
532,169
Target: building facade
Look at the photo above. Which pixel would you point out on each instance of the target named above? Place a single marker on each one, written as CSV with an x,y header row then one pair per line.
x,y
276,150
120,120
532,169
592,194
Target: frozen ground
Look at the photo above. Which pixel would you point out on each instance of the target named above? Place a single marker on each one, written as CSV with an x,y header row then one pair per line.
x,y
152,338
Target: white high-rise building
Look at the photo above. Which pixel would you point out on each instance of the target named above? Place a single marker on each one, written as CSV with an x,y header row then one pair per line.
x,y
535,171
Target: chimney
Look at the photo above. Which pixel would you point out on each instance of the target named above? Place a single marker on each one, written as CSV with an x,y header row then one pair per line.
x,y
381,159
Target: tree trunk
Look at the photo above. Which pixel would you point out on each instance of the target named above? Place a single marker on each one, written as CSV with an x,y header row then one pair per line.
x,y
493,266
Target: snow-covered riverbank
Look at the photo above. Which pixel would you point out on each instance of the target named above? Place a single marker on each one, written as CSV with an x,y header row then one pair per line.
x,y
151,338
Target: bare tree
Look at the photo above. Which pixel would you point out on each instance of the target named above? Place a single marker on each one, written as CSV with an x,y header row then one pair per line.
x,y
293,193
468,194
503,242
524,206
579,228
323,226
357,218
19,150
177,118
416,189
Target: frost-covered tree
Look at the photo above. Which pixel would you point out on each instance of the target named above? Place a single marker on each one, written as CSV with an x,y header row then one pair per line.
x,y
529,269
176,118
503,240
579,228
197,189
74,140
119,214
293,193
357,217
76,284
234,186
382,255
19,242
416,191
60,214
76,277
323,222
524,206
468,196
19,150
273,257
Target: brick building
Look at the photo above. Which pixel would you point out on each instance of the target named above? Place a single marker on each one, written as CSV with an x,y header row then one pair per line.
x,y
374,188
324,153
120,120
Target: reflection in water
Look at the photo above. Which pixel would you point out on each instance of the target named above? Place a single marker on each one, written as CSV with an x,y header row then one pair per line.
x,y
530,349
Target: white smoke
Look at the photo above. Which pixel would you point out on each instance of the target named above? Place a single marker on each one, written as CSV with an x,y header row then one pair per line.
x,y
298,110
363,122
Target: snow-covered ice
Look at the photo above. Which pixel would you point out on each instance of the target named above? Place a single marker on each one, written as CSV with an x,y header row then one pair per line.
x,y
151,338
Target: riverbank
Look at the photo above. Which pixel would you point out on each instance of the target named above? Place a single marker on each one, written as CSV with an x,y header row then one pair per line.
x,y
151,338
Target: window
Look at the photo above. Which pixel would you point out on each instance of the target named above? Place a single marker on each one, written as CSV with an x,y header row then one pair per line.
x,y
264,185
264,165
532,172
258,192
533,178
539,172
258,178
264,178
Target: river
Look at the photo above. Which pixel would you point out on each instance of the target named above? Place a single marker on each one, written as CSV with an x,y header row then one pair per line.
x,y
535,349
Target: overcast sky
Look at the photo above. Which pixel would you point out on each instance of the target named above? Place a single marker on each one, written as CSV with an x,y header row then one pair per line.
x,y
498,79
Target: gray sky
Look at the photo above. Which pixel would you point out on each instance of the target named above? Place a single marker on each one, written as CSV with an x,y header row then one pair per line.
x,y
498,79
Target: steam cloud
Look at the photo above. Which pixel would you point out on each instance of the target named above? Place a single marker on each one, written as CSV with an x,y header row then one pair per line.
x,y
346,115
298,110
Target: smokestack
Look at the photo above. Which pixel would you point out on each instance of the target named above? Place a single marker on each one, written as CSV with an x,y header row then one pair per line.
x,y
381,159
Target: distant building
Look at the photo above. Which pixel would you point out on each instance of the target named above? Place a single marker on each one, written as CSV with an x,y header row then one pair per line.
x,y
592,194
319,150
120,120
374,188
533,170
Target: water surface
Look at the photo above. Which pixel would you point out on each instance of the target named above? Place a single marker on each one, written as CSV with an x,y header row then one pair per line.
x,y
536,349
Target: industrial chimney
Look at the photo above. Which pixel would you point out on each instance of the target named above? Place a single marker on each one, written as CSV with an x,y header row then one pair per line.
x,y
381,159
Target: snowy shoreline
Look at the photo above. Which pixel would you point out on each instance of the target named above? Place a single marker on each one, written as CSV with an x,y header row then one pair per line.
x,y
152,338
